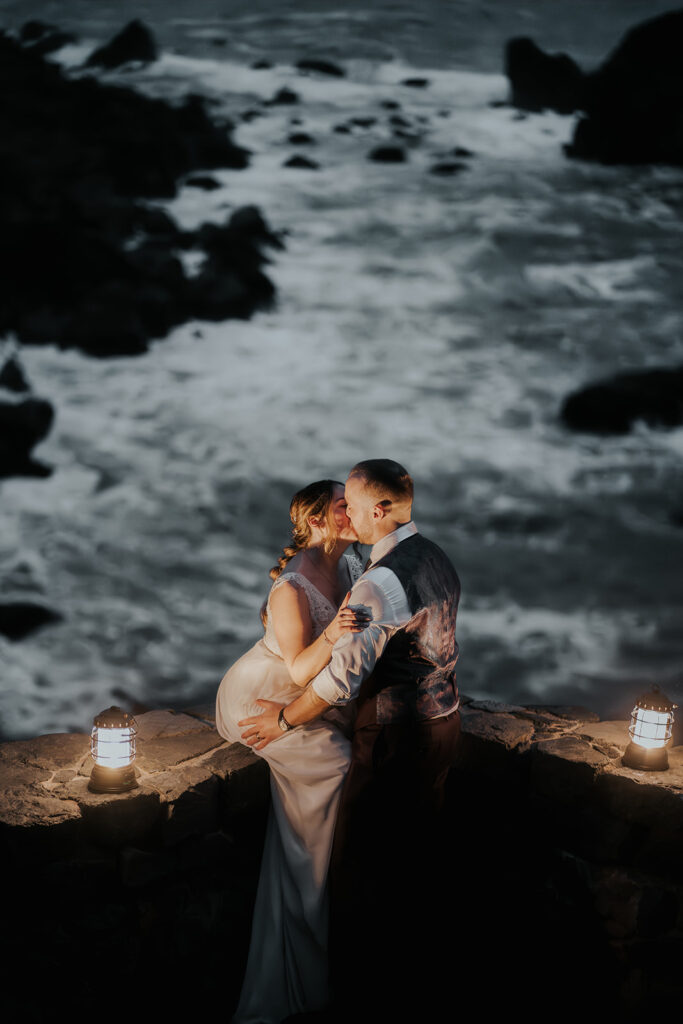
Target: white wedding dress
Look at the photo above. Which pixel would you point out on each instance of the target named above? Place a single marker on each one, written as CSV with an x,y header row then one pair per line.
x,y
287,968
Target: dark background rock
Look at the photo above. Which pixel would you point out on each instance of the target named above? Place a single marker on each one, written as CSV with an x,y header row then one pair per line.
x,y
12,376
133,42
22,426
387,154
20,618
75,155
43,38
634,102
540,81
612,406
304,162
324,67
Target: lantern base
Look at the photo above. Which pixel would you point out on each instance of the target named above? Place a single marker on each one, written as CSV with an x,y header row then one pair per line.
x,y
112,780
645,759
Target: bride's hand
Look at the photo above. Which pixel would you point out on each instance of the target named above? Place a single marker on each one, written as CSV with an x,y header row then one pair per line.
x,y
347,620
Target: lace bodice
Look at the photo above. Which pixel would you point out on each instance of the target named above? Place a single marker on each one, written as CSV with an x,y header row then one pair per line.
x,y
322,611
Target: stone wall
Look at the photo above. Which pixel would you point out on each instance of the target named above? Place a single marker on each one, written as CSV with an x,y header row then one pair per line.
x,y
562,869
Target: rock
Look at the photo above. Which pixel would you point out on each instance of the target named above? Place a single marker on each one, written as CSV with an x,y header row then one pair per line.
x,y
135,42
416,83
52,751
612,406
301,139
245,779
634,101
390,104
398,121
18,619
613,735
304,162
363,122
448,167
153,724
323,67
342,129
499,728
203,181
22,425
12,376
261,65
43,38
189,802
539,81
164,752
284,96
565,768
462,151
69,274
388,154
114,820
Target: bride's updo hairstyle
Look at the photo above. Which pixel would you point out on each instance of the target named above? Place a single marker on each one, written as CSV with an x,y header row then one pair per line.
x,y
314,501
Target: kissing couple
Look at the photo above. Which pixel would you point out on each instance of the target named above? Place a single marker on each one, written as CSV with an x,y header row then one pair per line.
x,y
351,698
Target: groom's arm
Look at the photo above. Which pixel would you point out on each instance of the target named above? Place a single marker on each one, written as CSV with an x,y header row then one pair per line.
x,y
354,655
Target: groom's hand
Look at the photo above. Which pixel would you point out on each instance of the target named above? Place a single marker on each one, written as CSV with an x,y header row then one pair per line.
x,y
264,728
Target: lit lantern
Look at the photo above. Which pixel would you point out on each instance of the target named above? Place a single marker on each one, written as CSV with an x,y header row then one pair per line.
x,y
113,750
650,732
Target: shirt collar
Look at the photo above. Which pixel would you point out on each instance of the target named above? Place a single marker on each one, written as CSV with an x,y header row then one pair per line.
x,y
388,543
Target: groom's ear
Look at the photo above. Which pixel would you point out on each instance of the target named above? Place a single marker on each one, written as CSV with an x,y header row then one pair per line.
x,y
381,509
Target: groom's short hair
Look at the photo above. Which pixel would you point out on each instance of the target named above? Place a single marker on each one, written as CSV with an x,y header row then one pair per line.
x,y
386,480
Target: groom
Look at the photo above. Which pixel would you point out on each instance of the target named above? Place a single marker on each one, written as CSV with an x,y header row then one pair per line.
x,y
401,672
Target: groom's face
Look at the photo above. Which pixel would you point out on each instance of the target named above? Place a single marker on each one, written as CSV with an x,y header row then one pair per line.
x,y
359,506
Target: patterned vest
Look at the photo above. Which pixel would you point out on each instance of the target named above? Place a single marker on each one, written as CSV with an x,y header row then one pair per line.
x,y
415,676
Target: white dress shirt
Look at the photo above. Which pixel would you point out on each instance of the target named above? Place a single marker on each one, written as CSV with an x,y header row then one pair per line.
x,y
379,591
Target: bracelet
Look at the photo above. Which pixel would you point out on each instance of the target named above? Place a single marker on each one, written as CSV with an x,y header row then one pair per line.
x,y
282,721
326,637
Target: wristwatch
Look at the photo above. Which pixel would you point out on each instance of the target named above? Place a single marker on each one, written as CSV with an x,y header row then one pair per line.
x,y
282,721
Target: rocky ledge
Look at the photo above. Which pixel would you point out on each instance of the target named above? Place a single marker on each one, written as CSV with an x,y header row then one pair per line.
x,y
540,805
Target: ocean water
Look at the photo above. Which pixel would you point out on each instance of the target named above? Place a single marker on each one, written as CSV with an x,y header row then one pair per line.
x,y
436,320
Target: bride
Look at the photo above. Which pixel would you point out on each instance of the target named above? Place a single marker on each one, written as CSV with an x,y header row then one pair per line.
x,y
304,616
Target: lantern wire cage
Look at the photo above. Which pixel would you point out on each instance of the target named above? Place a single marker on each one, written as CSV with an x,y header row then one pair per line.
x,y
650,731
112,745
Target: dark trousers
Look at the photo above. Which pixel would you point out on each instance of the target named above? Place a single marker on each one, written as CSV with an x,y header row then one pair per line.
x,y
390,862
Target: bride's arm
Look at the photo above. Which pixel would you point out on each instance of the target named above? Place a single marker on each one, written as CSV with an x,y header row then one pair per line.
x,y
291,620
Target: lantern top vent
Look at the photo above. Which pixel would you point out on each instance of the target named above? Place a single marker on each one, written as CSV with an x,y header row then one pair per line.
x,y
655,700
115,718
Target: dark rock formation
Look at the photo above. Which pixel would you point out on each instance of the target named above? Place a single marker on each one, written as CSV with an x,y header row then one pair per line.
x,y
342,129
22,426
134,42
388,154
390,104
301,139
12,377
304,162
20,618
540,81
261,65
363,122
324,67
448,167
77,154
204,181
612,406
634,103
43,38
416,83
283,97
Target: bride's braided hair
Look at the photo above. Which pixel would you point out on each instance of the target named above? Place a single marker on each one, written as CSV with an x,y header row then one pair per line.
x,y
311,501
315,501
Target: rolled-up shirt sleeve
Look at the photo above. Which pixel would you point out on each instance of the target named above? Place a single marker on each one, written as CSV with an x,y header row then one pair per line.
x,y
380,593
